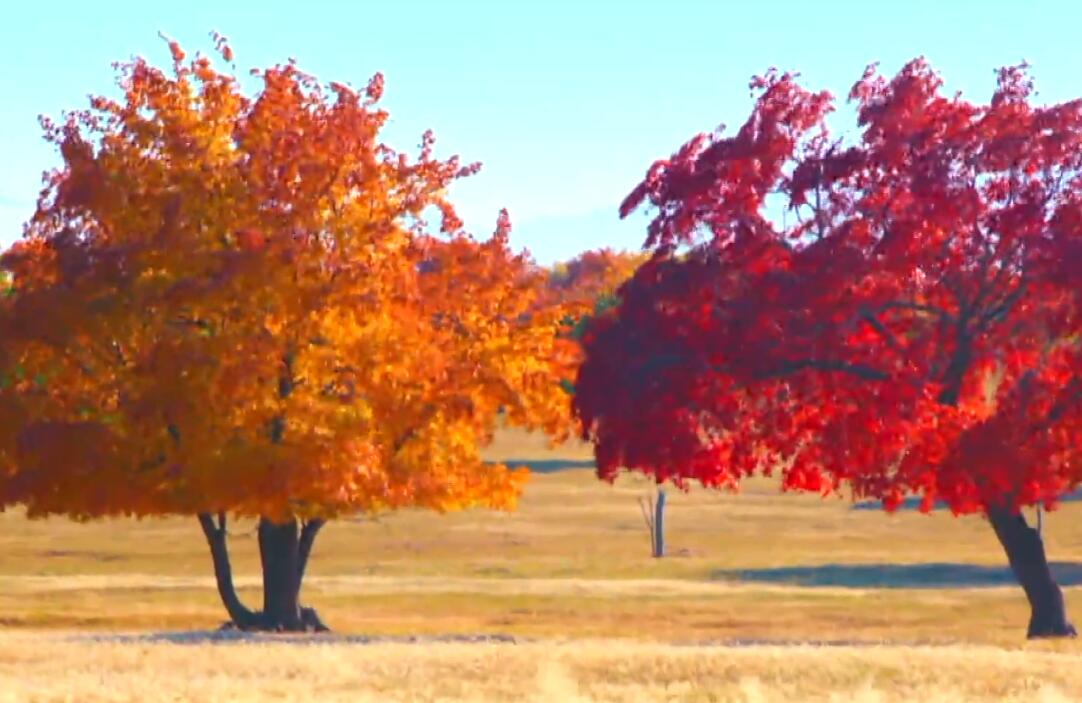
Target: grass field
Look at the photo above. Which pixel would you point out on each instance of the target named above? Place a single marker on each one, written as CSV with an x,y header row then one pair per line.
x,y
901,607
50,668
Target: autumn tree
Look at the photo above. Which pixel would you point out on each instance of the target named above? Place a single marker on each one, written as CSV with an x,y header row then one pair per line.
x,y
592,276
587,285
897,312
231,305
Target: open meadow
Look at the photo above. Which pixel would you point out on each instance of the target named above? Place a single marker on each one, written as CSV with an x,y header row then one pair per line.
x,y
796,244
764,597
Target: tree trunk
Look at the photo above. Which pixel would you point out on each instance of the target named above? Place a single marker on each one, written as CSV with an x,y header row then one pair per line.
x,y
215,533
1025,552
309,530
279,553
283,550
659,524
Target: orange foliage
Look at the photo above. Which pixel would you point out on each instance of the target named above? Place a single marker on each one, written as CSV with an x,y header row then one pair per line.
x,y
592,275
233,303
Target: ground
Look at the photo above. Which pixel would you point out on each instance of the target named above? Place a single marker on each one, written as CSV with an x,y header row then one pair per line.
x,y
765,596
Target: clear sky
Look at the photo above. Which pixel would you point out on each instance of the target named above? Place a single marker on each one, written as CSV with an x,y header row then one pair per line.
x,y
565,103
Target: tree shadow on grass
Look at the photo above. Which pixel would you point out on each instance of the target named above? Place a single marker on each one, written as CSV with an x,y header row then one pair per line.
x,y
914,502
197,637
548,466
934,575
228,637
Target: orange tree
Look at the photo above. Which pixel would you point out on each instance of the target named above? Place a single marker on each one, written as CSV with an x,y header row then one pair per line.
x,y
232,305
593,276
582,287
912,326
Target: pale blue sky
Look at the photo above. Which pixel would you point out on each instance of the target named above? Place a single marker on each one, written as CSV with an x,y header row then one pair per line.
x,y
565,103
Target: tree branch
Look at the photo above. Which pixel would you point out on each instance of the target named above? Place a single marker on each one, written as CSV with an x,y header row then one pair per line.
x,y
241,616
997,312
861,371
958,366
210,530
401,440
883,331
309,530
916,307
1073,394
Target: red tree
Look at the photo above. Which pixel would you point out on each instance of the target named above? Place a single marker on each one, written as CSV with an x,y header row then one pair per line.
x,y
910,326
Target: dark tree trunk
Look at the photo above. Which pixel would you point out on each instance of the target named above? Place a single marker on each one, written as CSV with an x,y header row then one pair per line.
x,y
284,549
215,533
279,553
309,529
1025,552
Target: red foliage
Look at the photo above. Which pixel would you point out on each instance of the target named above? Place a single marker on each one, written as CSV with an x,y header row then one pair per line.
x,y
912,327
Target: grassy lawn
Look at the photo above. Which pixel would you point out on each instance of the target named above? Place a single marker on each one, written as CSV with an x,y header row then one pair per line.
x,y
572,561
841,599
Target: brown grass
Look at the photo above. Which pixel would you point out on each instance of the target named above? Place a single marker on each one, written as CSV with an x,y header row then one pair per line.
x,y
48,667
570,567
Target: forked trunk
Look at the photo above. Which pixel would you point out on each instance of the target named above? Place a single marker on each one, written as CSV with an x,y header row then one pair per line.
x,y
284,549
1025,552
215,533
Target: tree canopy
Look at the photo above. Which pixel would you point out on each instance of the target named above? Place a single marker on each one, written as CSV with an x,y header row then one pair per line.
x,y
592,276
913,328
234,303
895,313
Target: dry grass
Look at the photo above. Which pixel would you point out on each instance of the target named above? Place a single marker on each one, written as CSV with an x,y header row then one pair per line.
x,y
572,561
38,667
569,571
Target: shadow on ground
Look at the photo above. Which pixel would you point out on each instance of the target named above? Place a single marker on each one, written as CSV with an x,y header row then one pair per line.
x,y
231,636
913,502
223,637
936,575
548,466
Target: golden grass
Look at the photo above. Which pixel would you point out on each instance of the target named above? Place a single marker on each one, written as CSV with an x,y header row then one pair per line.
x,y
40,667
569,571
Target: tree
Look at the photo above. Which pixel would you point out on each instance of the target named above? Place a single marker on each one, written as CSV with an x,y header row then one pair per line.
x,y
591,277
653,514
232,305
911,325
587,285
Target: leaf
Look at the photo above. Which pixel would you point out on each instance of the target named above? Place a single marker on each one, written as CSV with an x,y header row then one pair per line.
x,y
912,326
220,307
